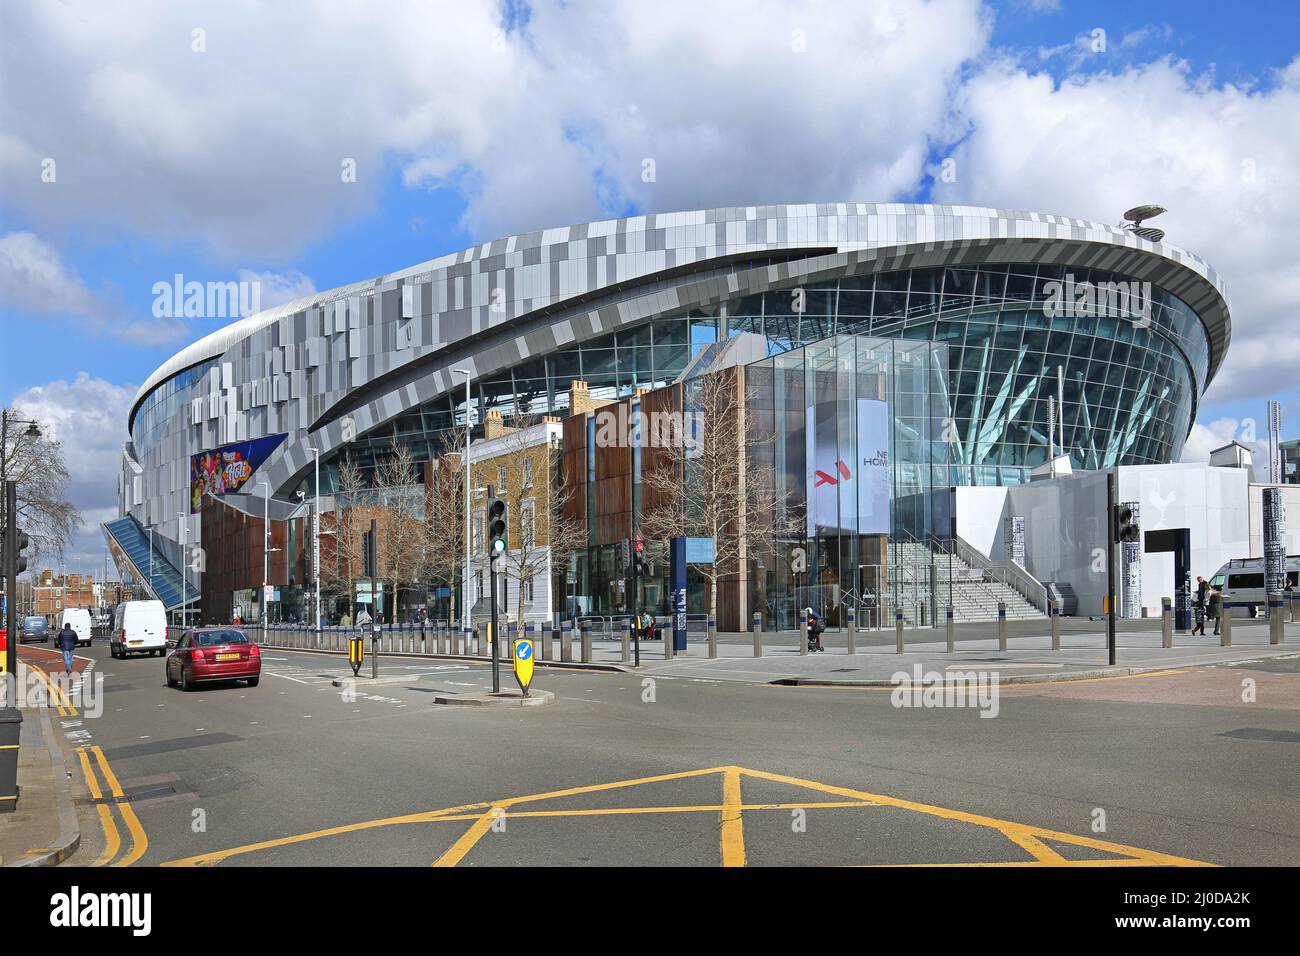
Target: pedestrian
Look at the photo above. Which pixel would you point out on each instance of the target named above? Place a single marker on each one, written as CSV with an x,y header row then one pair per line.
x,y
346,619
1202,595
67,642
816,624
1216,608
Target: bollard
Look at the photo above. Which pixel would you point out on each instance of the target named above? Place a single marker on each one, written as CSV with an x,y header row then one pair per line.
x,y
480,642
530,632
566,641
801,635
1276,623
670,643
627,642
1290,606
1002,625
1225,622
546,640
586,643
713,637
1166,622
898,630
758,634
952,630
1054,612
852,635
453,639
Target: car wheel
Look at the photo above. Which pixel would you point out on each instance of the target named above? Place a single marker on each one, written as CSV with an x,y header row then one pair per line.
x,y
186,683
252,681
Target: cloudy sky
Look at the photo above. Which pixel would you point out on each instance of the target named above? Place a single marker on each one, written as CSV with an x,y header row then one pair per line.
x,y
218,141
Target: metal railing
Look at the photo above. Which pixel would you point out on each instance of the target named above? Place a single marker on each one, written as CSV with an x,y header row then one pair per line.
x,y
1003,572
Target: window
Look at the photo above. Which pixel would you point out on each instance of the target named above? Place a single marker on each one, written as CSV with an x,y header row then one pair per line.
x,y
528,472
478,583
501,479
527,524
478,535
527,589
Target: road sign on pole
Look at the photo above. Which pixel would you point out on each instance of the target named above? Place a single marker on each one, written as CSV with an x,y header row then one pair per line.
x,y
523,655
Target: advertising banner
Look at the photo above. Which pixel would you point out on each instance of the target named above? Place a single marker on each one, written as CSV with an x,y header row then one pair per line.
x,y
848,494
227,469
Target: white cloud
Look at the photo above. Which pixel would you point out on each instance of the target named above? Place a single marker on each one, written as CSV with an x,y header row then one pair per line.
x,y
1220,158
239,148
1207,437
276,288
87,416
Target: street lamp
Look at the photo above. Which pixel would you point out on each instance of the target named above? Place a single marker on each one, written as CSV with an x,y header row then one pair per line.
x,y
315,539
266,554
180,516
464,579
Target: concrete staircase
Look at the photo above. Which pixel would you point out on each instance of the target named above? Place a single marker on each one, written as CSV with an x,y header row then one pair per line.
x,y
975,595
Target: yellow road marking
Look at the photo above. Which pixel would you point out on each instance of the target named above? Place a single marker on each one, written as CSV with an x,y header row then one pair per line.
x,y
91,780
139,841
481,816
57,697
732,819
112,842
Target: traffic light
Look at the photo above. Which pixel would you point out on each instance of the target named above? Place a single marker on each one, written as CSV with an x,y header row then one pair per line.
x,y
1126,523
368,554
496,521
21,544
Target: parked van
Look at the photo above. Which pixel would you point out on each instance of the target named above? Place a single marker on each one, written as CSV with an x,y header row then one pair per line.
x,y
139,627
78,619
1242,579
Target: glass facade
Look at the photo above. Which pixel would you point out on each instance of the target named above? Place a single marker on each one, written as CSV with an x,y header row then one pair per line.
x,y
853,430
1130,381
161,405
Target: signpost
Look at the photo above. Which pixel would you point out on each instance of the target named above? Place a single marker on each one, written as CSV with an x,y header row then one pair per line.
x,y
523,655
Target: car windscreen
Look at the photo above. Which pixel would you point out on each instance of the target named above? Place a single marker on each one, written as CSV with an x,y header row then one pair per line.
x,y
34,623
213,638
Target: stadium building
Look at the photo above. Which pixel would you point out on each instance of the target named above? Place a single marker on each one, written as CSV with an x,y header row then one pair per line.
x,y
1044,337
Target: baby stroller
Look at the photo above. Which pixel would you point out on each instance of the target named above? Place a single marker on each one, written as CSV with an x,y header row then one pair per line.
x,y
816,625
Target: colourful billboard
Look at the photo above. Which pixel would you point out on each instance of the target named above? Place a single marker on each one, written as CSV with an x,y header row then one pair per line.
x,y
227,469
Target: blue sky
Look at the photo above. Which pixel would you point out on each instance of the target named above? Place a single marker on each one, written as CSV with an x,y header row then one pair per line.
x,y
224,162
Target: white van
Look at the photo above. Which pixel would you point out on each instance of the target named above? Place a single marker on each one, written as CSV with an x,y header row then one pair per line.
x,y
77,618
139,627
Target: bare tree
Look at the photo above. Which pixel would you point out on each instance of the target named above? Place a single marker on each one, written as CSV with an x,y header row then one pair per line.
x,y
710,481
540,537
445,516
347,519
402,547
44,512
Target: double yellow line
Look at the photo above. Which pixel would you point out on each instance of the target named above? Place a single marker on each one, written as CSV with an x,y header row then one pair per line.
x,y
104,805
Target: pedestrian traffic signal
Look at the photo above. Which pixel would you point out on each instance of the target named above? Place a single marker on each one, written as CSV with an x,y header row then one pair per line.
x,y
368,561
496,518
1126,523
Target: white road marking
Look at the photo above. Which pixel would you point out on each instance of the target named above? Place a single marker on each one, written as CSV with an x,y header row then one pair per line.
x,y
287,677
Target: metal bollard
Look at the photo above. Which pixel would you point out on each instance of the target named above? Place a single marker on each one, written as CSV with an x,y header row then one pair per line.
x,y
670,643
546,640
627,642
758,634
713,637
1166,622
586,643
530,632
1290,606
952,629
801,635
1002,625
851,636
1054,612
898,630
1225,622
1276,623
566,641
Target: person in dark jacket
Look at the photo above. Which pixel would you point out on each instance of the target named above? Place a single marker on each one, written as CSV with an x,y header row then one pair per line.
x,y
1216,609
816,625
1202,594
67,642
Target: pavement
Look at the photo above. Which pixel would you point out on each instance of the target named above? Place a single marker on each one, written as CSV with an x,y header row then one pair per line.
x,y
1188,765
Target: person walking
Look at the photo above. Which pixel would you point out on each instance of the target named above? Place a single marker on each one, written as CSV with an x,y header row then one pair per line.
x,y
67,642
1202,594
1216,609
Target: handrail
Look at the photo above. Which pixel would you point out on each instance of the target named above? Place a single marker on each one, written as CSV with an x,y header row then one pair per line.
x,y
1005,572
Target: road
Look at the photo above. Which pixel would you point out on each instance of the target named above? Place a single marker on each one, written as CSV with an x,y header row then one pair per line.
x,y
1175,769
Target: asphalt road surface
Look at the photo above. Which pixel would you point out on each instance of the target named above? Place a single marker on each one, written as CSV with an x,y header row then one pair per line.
x,y
1195,766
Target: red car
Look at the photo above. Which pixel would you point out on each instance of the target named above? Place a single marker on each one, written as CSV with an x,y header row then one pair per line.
x,y
213,653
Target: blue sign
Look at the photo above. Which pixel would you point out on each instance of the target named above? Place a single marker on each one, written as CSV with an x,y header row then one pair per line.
x,y
524,650
678,578
700,550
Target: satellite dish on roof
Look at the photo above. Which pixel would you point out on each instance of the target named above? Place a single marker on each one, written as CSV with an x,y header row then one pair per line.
x,y
1149,233
1139,213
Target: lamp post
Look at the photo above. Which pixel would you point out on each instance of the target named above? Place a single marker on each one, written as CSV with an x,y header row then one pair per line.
x,y
464,579
315,541
266,554
180,520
